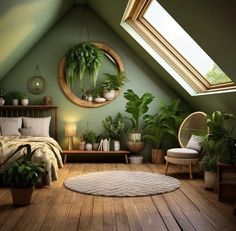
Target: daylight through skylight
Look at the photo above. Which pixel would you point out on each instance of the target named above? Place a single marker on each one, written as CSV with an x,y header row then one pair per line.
x,y
159,18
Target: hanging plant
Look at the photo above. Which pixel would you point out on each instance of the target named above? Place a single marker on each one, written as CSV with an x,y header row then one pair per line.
x,y
83,58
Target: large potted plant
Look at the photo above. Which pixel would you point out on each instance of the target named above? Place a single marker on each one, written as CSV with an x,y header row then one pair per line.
x,y
113,129
137,107
22,175
112,83
218,145
83,58
162,128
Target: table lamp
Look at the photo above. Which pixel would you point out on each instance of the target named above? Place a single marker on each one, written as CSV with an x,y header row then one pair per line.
x,y
70,131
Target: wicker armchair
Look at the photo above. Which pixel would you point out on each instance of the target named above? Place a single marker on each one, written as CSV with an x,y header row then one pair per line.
x,y
194,124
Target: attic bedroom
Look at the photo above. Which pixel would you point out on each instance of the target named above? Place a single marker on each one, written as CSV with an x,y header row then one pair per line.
x,y
117,115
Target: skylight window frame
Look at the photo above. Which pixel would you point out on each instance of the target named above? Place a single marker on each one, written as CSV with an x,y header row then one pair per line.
x,y
134,16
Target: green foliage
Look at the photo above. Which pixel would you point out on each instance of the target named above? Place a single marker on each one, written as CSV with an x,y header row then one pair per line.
x,y
219,145
89,136
2,93
23,173
217,76
137,106
162,128
114,82
16,95
114,127
81,59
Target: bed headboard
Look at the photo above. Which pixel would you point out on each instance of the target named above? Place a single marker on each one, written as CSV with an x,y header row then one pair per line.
x,y
32,111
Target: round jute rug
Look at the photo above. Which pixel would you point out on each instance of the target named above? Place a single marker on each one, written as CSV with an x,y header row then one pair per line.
x,y
122,183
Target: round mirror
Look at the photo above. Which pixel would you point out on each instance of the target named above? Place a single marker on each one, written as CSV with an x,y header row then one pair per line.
x,y
76,95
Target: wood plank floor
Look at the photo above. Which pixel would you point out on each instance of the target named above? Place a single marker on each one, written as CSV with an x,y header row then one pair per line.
x,y
55,208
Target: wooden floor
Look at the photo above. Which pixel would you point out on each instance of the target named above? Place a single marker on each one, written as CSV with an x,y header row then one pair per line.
x,y
55,208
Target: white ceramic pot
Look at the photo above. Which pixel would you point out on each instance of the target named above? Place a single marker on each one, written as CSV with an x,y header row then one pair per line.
x,y
88,147
116,145
109,95
135,159
210,179
25,102
134,136
15,102
2,101
90,98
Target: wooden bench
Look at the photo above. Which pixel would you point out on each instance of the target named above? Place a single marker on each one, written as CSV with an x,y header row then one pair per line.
x,y
75,152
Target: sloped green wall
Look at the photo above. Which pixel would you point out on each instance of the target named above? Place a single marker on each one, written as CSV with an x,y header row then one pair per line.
x,y
53,46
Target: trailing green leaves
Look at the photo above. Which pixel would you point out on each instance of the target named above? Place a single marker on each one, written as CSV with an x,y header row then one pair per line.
x,y
81,59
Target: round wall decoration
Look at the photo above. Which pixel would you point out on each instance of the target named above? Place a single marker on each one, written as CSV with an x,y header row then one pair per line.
x,y
36,84
78,99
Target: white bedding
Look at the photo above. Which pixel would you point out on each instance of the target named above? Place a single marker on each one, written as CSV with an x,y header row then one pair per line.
x,y
48,153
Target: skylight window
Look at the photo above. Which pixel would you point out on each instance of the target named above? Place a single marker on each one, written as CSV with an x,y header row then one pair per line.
x,y
173,44
159,18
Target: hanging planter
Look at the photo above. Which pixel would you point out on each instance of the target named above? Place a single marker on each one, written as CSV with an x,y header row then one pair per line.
x,y
81,59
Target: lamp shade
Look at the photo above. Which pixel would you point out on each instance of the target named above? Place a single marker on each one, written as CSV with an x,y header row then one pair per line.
x,y
70,129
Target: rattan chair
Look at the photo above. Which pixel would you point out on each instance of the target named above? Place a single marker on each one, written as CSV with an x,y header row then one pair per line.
x,y
194,124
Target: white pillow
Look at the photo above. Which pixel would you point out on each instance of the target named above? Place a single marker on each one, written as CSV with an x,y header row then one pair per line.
x,y
9,126
26,131
39,126
195,143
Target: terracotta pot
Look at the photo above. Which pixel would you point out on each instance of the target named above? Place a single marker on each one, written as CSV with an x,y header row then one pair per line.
x,y
158,156
22,196
82,146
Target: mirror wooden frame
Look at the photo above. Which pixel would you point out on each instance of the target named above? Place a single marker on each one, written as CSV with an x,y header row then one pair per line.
x,y
70,94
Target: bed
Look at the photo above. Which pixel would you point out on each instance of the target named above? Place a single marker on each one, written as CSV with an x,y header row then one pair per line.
x,y
34,125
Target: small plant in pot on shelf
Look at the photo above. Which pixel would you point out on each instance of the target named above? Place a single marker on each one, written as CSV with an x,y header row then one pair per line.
x,y
113,83
113,129
89,138
22,175
2,100
15,98
137,107
24,100
218,145
162,128
84,58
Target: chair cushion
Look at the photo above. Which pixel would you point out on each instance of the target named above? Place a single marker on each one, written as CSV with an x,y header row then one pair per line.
x,y
183,153
195,143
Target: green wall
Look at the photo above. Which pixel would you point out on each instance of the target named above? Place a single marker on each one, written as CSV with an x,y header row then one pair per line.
x,y
48,52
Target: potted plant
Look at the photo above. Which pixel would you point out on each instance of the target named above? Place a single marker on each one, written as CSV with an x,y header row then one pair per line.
x,y
113,129
83,58
137,107
22,175
2,100
89,138
24,100
112,83
162,128
218,145
15,98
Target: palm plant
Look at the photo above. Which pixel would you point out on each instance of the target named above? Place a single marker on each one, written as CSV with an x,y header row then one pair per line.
x,y
162,128
81,59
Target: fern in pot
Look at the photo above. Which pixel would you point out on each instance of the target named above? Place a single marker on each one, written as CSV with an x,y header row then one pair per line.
x,y
84,58
22,175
